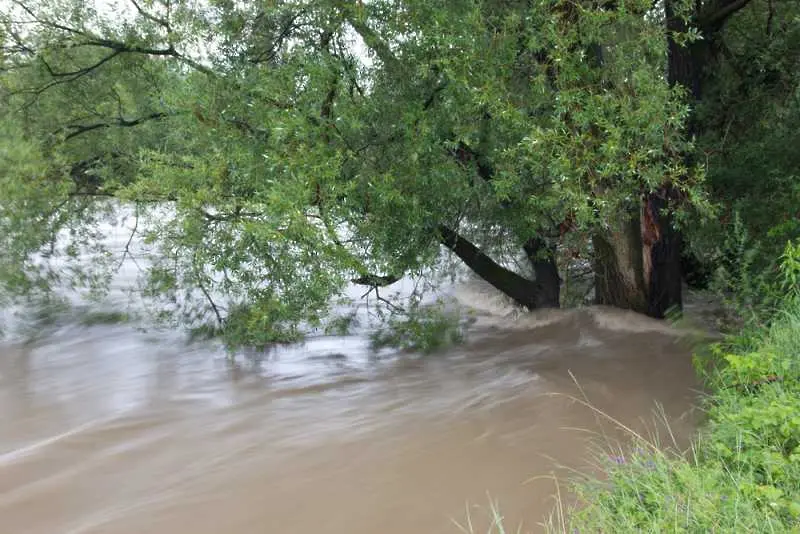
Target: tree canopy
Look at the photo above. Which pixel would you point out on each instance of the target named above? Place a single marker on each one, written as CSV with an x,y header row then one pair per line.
x,y
277,150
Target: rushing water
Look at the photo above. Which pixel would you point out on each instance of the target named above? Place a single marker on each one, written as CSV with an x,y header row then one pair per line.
x,y
106,429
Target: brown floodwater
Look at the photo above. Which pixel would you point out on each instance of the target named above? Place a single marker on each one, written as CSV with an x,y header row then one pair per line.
x,y
107,429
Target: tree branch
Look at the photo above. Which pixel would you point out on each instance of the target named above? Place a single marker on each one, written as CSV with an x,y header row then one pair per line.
x,y
206,294
75,74
714,20
368,35
85,38
464,153
152,18
522,290
237,215
374,280
78,129
271,52
127,251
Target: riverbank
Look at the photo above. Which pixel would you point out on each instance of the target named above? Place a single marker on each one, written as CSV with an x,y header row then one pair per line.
x,y
742,473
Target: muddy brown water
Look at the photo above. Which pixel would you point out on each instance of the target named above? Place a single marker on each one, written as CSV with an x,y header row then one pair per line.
x,y
109,430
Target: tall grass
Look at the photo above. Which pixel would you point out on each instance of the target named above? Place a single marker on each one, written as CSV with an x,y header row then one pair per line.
x,y
496,522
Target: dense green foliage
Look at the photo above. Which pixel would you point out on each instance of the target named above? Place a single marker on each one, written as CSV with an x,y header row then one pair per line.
x,y
748,123
271,151
275,149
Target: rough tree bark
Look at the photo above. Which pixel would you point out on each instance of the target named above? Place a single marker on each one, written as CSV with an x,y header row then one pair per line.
x,y
661,243
661,251
619,266
545,270
686,64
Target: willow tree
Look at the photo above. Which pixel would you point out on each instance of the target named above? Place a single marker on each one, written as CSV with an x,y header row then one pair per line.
x,y
282,148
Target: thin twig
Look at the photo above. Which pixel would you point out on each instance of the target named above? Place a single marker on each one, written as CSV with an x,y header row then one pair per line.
x,y
392,306
126,251
210,302
149,16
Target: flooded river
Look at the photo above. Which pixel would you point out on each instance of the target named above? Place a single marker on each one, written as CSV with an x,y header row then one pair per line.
x,y
105,429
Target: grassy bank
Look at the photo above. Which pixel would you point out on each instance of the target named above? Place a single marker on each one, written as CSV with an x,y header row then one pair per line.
x,y
743,472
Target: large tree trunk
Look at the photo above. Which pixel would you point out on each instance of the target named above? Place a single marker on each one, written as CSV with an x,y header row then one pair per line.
x,y
662,242
662,245
686,66
532,294
619,266
545,270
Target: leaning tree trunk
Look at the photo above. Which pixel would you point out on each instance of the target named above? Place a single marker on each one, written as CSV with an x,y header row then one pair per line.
x,y
532,294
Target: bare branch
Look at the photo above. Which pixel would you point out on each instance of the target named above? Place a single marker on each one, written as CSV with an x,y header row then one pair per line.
x,y
152,18
391,305
374,280
84,128
126,252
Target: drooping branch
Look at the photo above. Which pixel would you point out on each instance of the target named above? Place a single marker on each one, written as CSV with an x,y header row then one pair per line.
x,y
199,276
82,37
63,77
126,253
75,74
